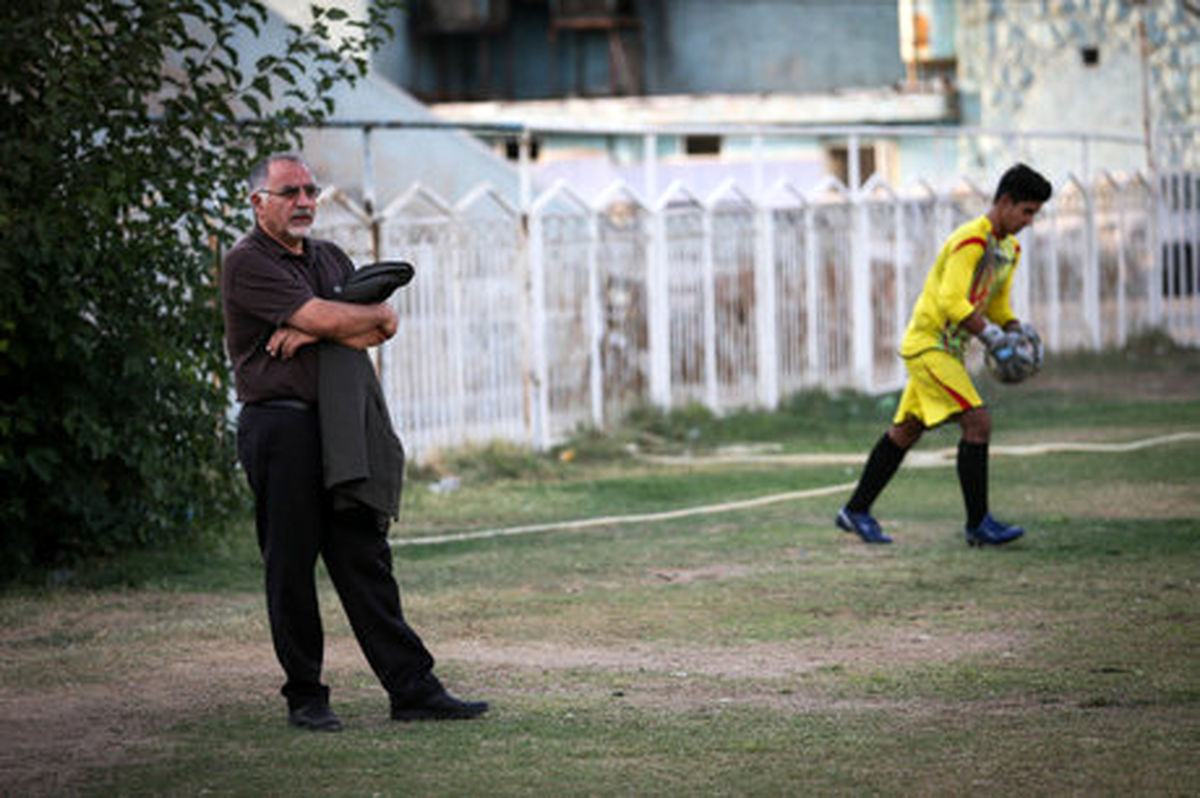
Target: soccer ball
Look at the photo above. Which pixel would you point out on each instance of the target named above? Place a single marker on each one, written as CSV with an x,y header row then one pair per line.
x,y
1026,359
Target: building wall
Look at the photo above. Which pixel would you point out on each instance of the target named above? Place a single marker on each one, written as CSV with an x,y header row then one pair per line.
x,y
699,46
683,46
1065,65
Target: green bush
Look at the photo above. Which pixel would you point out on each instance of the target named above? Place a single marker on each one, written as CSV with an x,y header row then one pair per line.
x,y
123,177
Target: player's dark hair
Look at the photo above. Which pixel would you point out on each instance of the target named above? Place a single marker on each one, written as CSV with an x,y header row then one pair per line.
x,y
1023,184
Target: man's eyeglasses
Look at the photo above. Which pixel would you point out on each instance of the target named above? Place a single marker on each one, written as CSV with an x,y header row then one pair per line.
x,y
292,192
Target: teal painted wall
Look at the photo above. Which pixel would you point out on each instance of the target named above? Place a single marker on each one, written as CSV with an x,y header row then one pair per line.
x,y
689,47
800,46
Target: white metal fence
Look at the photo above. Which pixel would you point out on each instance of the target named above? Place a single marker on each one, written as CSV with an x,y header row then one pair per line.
x,y
526,326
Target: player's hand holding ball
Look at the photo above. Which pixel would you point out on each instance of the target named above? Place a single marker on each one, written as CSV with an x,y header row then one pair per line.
x,y
1014,355
1030,333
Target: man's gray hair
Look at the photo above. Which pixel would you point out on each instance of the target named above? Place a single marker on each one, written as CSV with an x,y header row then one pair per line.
x,y
258,173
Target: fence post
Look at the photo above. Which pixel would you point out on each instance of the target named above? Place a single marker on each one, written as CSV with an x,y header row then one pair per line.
x,y
658,304
457,322
595,324
537,335
766,329
658,308
1091,270
861,316
1154,278
712,394
533,354
812,327
1170,250
1122,265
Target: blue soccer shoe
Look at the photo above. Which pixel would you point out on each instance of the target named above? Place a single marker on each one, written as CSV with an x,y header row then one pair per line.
x,y
992,533
863,524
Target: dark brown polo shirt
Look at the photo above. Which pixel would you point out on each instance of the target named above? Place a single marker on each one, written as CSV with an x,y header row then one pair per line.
x,y
262,285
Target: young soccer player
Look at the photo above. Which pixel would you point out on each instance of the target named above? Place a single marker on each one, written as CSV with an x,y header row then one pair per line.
x,y
966,295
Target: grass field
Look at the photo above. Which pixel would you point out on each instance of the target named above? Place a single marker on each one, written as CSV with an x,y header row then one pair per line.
x,y
757,652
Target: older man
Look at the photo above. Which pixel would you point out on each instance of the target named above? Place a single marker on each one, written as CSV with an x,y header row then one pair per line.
x,y
275,287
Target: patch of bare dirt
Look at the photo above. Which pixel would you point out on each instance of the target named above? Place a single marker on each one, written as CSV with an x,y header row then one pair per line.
x,y
759,661
52,736
703,574
55,733
679,678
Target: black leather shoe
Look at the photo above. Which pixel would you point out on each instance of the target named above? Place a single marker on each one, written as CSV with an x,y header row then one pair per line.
x,y
438,706
314,717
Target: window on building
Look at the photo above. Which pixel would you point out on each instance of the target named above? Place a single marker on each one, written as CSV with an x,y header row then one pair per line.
x,y
702,145
838,158
1090,56
512,148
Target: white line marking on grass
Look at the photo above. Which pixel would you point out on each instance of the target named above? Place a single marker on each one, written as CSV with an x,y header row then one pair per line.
x,y
615,520
920,459
938,458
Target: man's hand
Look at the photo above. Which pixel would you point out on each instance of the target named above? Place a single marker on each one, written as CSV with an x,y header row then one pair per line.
x,y
1014,354
390,323
364,340
386,328
1000,345
1027,331
286,341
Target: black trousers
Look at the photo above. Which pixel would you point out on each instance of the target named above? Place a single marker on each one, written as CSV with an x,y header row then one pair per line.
x,y
280,450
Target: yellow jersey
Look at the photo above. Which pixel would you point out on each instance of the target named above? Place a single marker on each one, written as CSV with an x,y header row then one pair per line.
x,y
973,271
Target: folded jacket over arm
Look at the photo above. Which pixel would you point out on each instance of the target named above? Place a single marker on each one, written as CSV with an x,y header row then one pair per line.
x,y
362,455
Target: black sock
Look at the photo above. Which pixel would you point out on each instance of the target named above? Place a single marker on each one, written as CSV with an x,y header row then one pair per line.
x,y
881,467
973,477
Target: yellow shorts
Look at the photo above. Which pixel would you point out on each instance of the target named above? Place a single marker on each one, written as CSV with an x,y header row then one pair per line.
x,y
938,388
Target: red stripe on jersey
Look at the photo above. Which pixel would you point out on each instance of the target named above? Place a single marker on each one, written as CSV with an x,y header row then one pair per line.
x,y
955,395
980,285
1017,247
968,241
